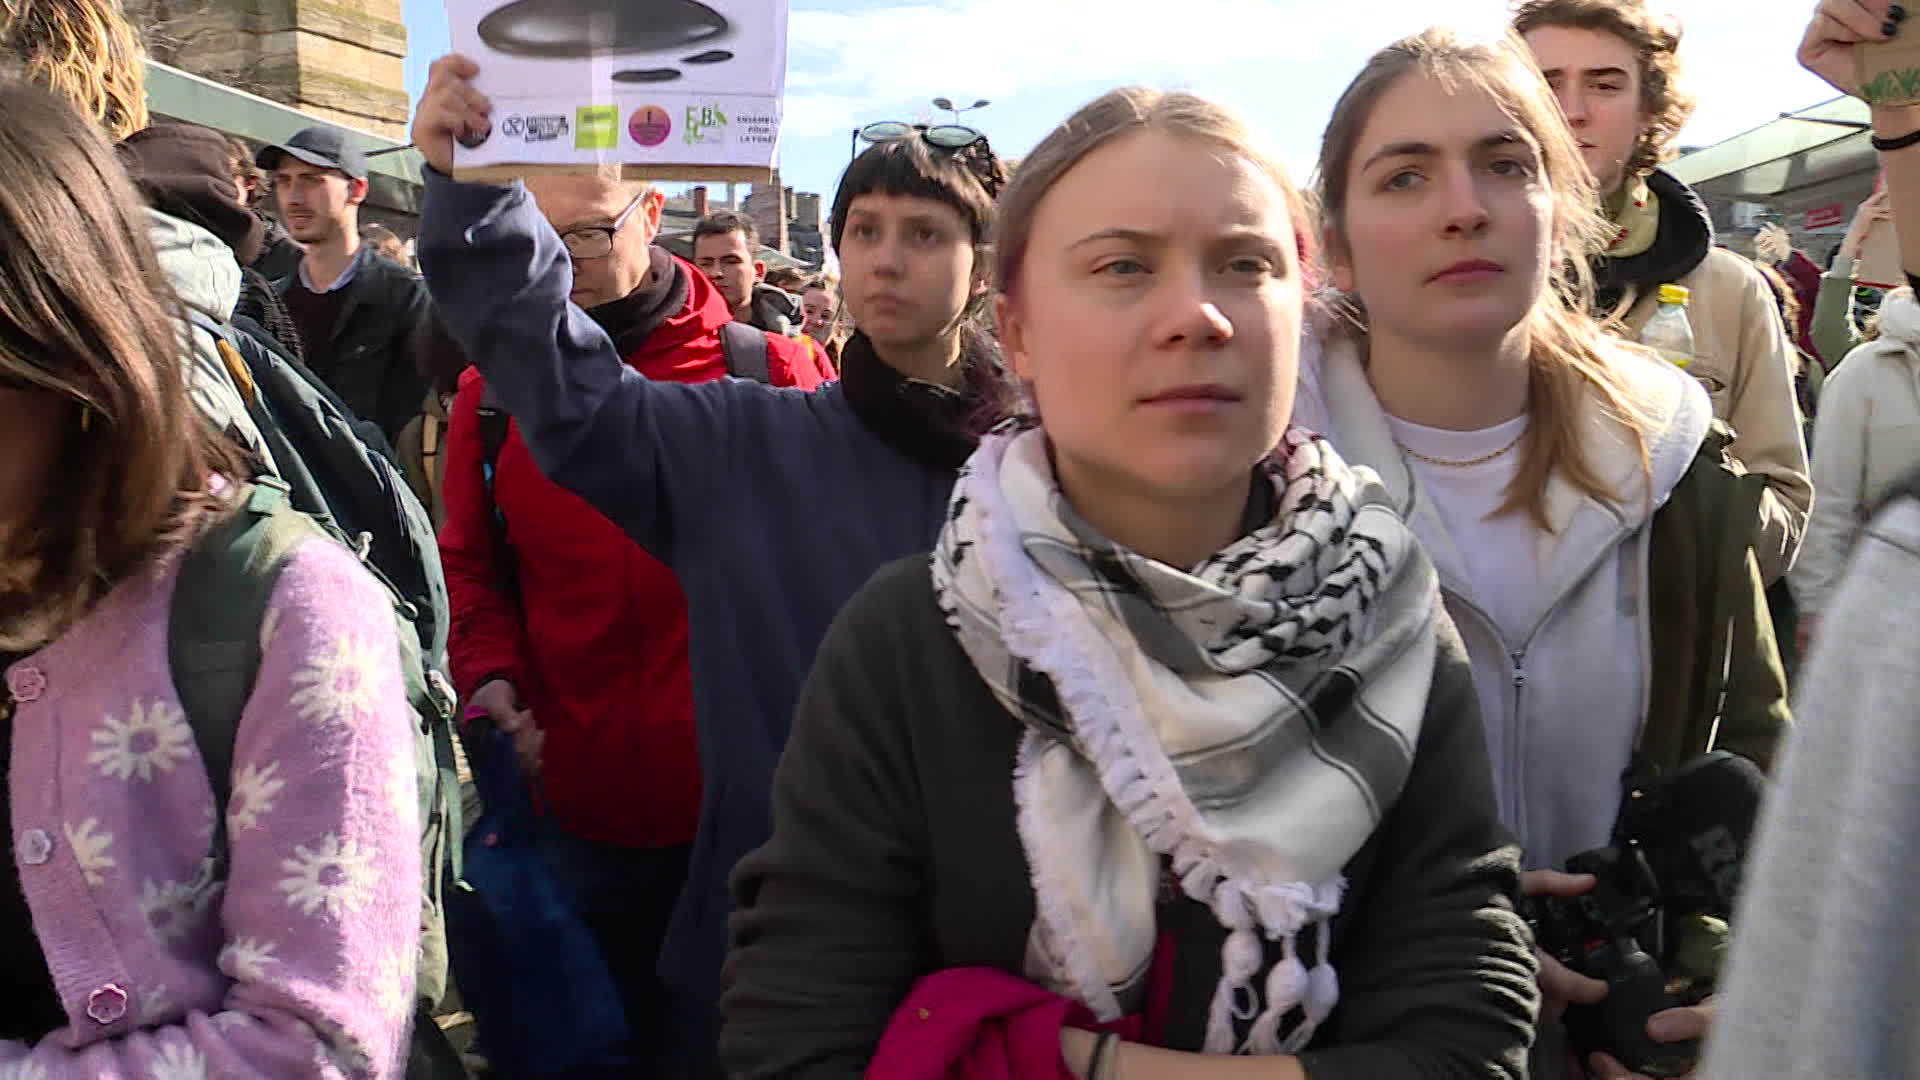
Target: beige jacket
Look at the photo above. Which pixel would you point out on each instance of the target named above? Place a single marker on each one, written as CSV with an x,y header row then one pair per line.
x,y
1866,438
1746,361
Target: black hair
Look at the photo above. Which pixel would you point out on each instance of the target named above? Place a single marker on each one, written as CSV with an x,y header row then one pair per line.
x,y
724,222
967,179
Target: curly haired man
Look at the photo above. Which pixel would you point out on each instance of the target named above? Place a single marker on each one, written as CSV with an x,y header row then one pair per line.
x,y
1615,67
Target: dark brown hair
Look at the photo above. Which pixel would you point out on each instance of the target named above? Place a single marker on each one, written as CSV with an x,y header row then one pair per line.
x,y
240,163
789,278
967,179
87,317
724,222
1655,40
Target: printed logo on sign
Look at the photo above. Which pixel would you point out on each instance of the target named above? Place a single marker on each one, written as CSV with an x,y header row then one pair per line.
x,y
650,125
702,120
546,128
596,127
513,126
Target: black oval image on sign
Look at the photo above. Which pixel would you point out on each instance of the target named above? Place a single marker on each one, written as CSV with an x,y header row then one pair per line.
x,y
572,29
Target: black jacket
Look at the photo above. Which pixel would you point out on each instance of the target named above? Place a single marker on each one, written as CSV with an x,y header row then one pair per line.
x,y
1685,236
370,363
280,255
895,854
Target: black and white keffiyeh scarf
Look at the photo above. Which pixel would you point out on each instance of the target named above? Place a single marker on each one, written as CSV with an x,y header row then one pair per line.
x,y
1249,720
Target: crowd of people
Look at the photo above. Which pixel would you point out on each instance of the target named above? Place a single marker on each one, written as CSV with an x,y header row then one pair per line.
x,y
1100,634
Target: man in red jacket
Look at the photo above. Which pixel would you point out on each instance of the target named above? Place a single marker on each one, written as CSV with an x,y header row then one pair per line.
x,y
567,634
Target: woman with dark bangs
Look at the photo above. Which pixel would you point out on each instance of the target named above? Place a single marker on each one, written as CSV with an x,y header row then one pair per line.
x,y
772,506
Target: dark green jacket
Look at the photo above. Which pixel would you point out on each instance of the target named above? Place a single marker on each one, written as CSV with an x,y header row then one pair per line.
x,y
1717,678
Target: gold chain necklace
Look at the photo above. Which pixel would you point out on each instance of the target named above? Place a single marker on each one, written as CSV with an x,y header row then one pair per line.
x,y
1467,464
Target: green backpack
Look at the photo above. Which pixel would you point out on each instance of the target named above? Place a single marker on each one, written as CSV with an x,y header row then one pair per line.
x,y
213,648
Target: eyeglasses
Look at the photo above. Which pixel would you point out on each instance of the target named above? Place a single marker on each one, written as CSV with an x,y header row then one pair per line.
x,y
596,241
944,136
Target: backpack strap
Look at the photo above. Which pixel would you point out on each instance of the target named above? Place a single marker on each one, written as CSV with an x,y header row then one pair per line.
x,y
493,435
213,630
745,346
229,350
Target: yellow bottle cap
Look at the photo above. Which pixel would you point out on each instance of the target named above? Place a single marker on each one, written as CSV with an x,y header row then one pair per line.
x,y
1675,294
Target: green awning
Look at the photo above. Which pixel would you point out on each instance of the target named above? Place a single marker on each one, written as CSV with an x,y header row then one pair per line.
x,y
1826,142
395,177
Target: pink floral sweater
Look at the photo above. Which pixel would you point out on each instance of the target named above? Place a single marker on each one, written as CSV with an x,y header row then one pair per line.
x,y
301,963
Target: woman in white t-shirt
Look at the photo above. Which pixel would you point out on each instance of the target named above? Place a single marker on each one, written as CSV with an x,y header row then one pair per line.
x,y
1531,454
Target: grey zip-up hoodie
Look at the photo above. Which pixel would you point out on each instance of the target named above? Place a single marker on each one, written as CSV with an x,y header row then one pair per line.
x,y
203,273
1825,973
1563,707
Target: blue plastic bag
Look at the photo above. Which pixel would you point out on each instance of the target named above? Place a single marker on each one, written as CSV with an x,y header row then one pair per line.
x,y
527,967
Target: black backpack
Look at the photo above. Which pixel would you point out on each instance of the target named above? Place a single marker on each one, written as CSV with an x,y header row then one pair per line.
x,y
340,470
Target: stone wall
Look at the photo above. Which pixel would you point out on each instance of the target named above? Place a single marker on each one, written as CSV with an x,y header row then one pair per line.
x,y
340,60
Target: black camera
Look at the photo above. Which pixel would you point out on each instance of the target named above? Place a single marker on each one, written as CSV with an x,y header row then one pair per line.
x,y
1678,848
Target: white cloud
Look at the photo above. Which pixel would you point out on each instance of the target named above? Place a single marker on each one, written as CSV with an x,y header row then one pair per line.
x,y
848,66
846,63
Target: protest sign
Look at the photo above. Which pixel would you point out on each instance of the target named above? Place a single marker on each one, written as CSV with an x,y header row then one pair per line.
x,y
652,89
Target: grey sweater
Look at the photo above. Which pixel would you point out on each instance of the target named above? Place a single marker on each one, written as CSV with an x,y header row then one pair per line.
x,y
895,854
1824,980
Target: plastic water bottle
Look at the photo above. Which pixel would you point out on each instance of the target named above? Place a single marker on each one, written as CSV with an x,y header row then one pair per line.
x,y
1669,332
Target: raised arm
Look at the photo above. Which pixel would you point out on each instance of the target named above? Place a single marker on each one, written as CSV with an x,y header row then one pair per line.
x,y
632,447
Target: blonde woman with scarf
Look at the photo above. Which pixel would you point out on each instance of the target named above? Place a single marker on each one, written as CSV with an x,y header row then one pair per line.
x,y
1167,762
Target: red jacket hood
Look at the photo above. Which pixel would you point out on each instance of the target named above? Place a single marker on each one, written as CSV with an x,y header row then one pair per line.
x,y
686,348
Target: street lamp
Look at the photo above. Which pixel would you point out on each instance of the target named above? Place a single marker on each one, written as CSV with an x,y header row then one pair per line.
x,y
946,105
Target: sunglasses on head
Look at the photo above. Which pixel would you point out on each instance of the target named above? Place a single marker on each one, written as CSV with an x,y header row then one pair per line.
x,y
944,136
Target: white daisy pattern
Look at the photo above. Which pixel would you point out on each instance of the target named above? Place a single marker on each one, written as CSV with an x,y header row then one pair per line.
x,y
179,1062
268,626
254,793
340,1049
154,738
91,844
23,1070
157,1005
246,960
227,1021
393,982
403,787
333,875
337,681
170,909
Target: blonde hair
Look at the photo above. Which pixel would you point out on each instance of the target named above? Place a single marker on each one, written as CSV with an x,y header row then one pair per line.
x,y
1107,118
1571,354
85,52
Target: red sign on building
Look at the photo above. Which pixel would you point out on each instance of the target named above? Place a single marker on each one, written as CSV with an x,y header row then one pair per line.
x,y
1825,217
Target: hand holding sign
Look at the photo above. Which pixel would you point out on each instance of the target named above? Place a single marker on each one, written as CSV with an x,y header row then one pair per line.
x,y
450,111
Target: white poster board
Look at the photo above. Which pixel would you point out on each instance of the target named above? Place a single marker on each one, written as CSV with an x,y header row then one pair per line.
x,y
659,89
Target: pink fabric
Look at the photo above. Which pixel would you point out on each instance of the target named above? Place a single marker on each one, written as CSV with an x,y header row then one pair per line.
x,y
981,1023
302,963
977,1023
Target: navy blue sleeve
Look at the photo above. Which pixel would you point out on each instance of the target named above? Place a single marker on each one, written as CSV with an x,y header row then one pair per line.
x,y
629,445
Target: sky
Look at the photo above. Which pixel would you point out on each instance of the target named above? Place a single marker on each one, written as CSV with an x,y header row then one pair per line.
x,y
1281,63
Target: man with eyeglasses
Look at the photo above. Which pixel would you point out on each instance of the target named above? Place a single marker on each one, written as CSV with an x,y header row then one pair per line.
x,y
569,636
